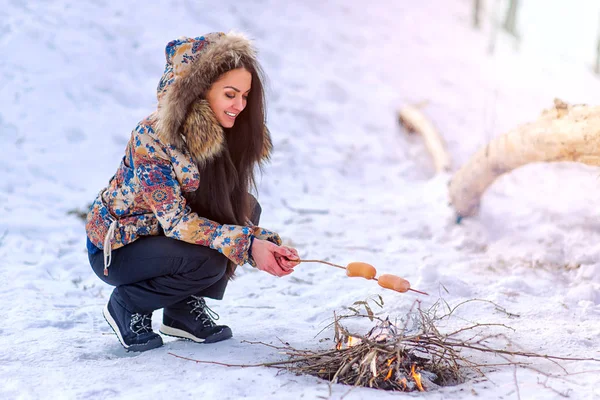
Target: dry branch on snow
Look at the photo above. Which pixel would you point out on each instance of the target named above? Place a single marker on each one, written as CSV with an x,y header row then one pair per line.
x,y
414,120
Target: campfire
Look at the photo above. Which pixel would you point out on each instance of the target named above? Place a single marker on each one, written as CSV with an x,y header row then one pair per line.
x,y
374,368
386,358
420,353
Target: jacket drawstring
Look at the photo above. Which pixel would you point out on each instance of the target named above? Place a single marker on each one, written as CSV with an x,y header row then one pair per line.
x,y
108,247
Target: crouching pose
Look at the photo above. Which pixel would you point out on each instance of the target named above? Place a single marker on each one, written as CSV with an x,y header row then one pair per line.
x,y
177,218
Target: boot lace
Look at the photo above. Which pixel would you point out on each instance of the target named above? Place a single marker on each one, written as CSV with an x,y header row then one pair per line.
x,y
203,312
140,323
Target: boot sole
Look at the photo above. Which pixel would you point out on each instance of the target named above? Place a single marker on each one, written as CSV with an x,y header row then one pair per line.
x,y
179,333
135,347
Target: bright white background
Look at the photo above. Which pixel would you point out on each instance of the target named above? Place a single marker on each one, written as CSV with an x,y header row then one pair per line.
x,y
76,77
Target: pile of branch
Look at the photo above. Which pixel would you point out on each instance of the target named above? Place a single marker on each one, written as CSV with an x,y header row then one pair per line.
x,y
384,361
417,356
414,356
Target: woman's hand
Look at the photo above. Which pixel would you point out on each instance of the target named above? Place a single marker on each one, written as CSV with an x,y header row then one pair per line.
x,y
288,262
265,256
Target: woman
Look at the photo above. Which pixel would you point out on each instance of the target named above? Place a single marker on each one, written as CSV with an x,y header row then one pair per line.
x,y
177,217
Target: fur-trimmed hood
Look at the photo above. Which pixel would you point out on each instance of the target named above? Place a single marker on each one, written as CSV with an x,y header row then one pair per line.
x,y
184,118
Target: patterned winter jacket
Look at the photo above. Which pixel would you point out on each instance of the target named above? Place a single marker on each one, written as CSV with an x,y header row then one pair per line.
x,y
145,196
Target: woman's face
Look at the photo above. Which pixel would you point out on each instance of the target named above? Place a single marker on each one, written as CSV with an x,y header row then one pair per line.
x,y
228,95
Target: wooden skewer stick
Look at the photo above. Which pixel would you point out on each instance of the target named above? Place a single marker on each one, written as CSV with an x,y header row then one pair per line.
x,y
339,266
323,262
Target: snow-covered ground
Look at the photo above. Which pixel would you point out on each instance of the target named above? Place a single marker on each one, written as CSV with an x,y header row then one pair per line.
x,y
345,184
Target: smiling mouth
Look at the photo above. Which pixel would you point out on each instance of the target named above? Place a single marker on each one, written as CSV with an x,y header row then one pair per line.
x,y
231,114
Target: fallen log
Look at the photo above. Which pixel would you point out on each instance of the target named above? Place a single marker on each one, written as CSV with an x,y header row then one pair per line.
x,y
562,133
414,120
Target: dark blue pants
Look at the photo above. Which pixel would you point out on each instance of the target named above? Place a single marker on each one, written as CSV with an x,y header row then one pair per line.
x,y
156,271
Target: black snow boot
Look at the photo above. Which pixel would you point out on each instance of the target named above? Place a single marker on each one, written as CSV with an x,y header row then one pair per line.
x,y
134,330
192,319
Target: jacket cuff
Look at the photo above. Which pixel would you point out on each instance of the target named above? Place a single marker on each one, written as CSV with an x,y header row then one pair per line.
x,y
250,258
265,234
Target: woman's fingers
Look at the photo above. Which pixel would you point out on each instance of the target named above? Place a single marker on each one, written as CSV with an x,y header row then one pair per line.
x,y
273,259
286,257
286,263
277,270
274,267
281,251
293,254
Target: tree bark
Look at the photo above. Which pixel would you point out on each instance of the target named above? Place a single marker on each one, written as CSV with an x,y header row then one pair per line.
x,y
563,133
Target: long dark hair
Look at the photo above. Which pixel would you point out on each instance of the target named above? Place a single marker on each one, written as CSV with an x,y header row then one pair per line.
x,y
226,180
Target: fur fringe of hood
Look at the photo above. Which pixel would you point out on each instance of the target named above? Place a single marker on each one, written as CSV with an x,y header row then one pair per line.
x,y
193,64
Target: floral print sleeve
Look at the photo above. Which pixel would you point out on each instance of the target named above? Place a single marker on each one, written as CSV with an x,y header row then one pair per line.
x,y
163,195
265,234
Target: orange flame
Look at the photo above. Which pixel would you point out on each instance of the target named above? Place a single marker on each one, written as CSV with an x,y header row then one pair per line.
x,y
350,341
389,374
391,370
404,383
417,377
